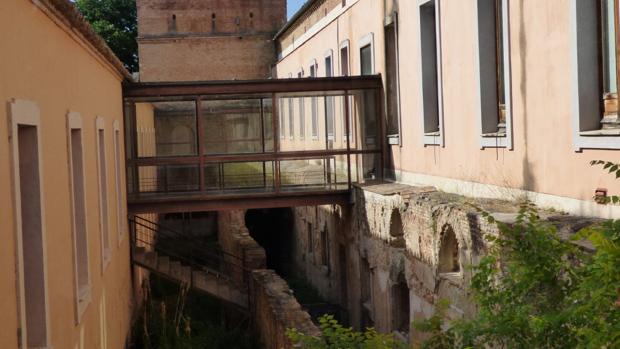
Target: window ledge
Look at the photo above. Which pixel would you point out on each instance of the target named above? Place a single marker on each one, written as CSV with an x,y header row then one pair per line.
x,y
432,138
494,135
84,299
599,133
597,139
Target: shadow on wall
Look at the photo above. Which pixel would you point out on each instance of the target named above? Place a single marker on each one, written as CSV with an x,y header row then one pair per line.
x,y
273,230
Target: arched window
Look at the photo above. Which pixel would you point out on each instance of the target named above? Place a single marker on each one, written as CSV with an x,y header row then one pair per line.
x,y
449,252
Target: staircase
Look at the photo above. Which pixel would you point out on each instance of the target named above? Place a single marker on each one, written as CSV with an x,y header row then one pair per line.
x,y
178,258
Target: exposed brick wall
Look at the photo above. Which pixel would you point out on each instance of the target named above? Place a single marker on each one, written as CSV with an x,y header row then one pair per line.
x,y
188,40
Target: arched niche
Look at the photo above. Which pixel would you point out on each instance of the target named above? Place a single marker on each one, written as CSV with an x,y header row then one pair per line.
x,y
397,235
400,305
449,252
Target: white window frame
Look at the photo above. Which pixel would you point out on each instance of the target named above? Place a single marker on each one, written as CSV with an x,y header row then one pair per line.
x,y
432,138
83,296
481,67
106,254
23,112
585,91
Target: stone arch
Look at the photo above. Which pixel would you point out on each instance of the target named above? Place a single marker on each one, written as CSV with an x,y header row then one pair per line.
x,y
449,252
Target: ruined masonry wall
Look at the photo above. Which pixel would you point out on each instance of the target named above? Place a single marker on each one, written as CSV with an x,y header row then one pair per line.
x,y
273,307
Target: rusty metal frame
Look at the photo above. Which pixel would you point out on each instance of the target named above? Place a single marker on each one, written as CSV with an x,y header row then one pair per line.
x,y
249,87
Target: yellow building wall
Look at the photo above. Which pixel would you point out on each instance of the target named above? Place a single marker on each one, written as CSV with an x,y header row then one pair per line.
x,y
42,61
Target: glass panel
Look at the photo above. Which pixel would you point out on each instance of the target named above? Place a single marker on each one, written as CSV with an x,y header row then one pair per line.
x,y
174,132
181,177
301,101
233,176
291,118
168,178
312,175
268,123
365,167
367,128
232,126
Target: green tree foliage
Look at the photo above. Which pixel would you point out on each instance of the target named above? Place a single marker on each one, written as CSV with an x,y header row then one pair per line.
x,y
536,290
335,336
116,22
613,169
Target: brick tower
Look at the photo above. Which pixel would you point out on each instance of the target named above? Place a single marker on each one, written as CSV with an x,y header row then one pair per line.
x,y
194,40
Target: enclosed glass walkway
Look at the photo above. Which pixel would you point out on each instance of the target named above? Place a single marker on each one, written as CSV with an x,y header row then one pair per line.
x,y
251,144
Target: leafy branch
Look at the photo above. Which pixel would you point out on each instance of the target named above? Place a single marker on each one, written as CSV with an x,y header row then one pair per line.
x,y
612,168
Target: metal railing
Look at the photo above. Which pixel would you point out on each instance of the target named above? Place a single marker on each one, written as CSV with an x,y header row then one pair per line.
x,y
198,256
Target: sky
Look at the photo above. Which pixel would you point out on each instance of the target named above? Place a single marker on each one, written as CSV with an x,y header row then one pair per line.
x,y
293,6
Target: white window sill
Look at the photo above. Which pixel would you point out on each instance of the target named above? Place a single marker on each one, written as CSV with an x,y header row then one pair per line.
x,y
600,133
393,139
493,140
84,299
597,139
432,138
107,257
494,135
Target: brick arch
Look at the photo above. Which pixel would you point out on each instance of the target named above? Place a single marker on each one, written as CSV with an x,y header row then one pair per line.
x,y
449,253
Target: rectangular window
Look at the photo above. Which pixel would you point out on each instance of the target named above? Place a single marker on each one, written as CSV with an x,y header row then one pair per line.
x,y
344,59
78,200
609,37
118,167
329,101
344,71
302,111
595,36
366,60
291,117
391,76
314,105
430,72
370,125
309,241
493,67
325,247
103,194
32,250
